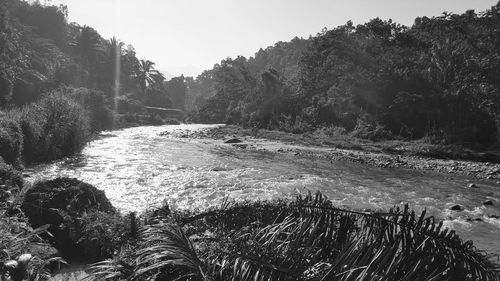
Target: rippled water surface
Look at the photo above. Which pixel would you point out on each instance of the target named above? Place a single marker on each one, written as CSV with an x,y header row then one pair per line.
x,y
140,169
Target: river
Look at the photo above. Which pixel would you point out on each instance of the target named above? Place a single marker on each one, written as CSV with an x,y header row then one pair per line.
x,y
140,169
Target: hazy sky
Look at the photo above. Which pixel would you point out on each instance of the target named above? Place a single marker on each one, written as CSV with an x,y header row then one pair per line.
x,y
188,36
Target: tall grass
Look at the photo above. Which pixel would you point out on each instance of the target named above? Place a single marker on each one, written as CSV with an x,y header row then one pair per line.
x,y
56,126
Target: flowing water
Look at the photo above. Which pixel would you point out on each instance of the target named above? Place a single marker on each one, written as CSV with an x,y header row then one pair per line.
x,y
139,169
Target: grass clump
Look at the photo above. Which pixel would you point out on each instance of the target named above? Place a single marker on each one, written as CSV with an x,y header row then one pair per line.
x,y
308,239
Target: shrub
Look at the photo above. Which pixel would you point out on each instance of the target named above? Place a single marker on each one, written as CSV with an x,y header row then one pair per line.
x,y
64,124
84,224
31,122
369,129
54,127
332,131
288,124
11,137
10,180
100,114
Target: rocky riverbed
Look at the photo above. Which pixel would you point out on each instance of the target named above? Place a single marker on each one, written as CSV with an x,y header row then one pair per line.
x,y
388,154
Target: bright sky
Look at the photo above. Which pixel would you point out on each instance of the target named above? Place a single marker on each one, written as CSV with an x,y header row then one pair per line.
x,y
188,36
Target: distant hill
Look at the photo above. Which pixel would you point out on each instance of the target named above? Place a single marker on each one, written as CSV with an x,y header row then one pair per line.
x,y
438,79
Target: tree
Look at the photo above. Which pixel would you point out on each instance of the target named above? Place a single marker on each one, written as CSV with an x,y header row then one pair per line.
x,y
87,47
176,89
148,75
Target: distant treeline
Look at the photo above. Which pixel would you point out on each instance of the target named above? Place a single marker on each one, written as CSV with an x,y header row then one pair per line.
x,y
62,80
438,79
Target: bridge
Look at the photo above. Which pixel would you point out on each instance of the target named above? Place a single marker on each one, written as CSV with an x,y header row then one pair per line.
x,y
166,112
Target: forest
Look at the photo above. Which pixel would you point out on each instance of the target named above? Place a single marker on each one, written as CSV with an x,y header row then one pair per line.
x,y
437,80
52,71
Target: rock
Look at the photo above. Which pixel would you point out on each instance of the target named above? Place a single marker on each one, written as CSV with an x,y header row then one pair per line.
x,y
488,203
233,140
61,203
472,185
456,208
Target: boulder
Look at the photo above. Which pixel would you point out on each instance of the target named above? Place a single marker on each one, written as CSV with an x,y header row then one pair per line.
x,y
61,203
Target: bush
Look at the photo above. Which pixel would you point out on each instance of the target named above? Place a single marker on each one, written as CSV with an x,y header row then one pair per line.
x,y
55,127
296,126
11,137
33,134
331,131
101,116
10,177
84,224
369,129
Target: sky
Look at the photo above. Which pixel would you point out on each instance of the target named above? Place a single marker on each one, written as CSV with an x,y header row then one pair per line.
x,y
189,36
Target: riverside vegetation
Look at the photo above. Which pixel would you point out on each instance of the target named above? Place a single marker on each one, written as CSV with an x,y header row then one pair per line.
x,y
60,83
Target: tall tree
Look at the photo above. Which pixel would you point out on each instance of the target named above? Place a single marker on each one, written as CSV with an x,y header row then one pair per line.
x,y
148,75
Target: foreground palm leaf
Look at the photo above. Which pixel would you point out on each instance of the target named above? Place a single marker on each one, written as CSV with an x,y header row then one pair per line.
x,y
308,240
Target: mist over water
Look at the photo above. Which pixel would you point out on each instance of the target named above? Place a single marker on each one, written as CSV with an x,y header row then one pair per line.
x,y
139,169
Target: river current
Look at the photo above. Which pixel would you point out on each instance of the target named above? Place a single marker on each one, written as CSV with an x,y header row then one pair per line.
x,y
140,169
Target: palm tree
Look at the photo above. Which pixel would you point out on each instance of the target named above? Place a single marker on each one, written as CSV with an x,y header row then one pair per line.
x,y
148,75
305,240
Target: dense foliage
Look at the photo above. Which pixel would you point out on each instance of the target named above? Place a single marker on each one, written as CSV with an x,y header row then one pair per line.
x,y
437,79
61,82
40,51
57,125
308,239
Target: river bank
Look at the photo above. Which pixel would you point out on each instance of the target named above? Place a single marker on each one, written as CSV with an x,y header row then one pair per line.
x,y
416,155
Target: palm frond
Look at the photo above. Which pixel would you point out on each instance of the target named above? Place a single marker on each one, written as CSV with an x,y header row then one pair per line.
x,y
308,239
167,246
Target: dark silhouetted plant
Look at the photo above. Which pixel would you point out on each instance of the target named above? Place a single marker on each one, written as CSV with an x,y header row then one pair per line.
x,y
308,240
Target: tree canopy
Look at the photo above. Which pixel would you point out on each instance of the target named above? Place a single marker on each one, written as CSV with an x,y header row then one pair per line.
x,y
437,79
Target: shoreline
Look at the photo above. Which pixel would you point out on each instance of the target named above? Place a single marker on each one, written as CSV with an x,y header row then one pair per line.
x,y
413,155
